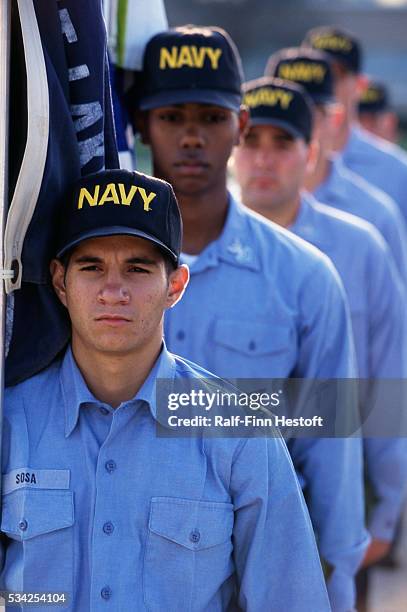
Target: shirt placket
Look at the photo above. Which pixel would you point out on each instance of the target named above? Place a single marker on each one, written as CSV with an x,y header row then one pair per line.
x,y
107,525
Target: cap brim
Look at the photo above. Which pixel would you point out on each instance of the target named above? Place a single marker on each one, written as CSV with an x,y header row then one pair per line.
x,y
322,98
284,125
199,96
344,62
115,231
373,108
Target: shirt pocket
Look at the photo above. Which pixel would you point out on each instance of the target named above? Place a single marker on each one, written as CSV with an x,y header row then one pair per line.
x,y
188,553
254,349
39,525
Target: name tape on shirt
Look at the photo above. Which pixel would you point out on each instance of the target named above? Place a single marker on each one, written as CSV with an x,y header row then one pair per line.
x,y
332,42
306,72
116,194
35,479
267,96
191,56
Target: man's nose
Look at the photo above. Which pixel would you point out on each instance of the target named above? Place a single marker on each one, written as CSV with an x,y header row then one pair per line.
x,y
193,137
264,159
113,291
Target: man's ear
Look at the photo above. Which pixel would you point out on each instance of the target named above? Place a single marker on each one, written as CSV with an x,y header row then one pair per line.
x,y
141,123
57,271
177,283
244,116
362,83
312,155
337,115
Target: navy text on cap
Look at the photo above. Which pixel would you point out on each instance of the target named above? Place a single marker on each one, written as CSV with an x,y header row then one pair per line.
x,y
191,64
284,104
308,67
341,45
121,202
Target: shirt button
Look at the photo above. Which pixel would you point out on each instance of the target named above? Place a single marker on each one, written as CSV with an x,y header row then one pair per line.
x,y
195,536
23,525
108,528
110,465
103,411
252,345
106,592
181,335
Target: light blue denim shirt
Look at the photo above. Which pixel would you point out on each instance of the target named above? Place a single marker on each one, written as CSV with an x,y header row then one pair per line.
x,y
381,163
263,303
379,319
347,191
121,519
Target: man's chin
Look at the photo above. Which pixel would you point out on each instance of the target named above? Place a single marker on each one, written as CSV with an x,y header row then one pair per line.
x,y
190,185
261,203
115,346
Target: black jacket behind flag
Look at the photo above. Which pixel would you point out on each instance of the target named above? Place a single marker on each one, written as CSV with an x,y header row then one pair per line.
x,y
81,141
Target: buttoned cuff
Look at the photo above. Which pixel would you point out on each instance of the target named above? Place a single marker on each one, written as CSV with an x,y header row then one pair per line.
x,y
384,519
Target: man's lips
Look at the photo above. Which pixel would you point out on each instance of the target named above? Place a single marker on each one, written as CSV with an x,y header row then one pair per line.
x,y
191,167
113,320
263,182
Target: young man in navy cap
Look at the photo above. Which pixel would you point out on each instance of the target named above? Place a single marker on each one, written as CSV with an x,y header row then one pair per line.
x,y
375,112
261,303
189,522
329,180
270,166
381,163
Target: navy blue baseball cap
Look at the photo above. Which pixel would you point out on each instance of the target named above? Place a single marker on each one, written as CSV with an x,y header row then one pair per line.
x,y
191,64
308,67
284,104
341,45
117,202
375,98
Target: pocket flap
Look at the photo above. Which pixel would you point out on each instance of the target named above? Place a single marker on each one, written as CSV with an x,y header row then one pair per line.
x,y
193,524
29,513
251,337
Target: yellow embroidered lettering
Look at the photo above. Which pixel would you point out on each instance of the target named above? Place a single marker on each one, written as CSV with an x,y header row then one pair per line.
x,y
146,198
126,199
85,195
335,43
168,59
268,97
285,99
189,55
184,57
214,55
109,195
303,72
370,95
198,56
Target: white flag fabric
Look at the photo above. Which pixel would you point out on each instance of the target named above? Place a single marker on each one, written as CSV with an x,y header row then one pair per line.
x,y
131,24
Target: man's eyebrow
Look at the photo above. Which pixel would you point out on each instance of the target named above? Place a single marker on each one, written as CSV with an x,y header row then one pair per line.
x,y
142,260
87,259
284,136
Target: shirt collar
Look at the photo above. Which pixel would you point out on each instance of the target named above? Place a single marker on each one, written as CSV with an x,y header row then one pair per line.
x,y
236,244
76,393
307,224
333,189
352,147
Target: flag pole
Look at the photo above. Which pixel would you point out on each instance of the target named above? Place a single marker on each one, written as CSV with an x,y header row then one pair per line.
x,y
5,34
